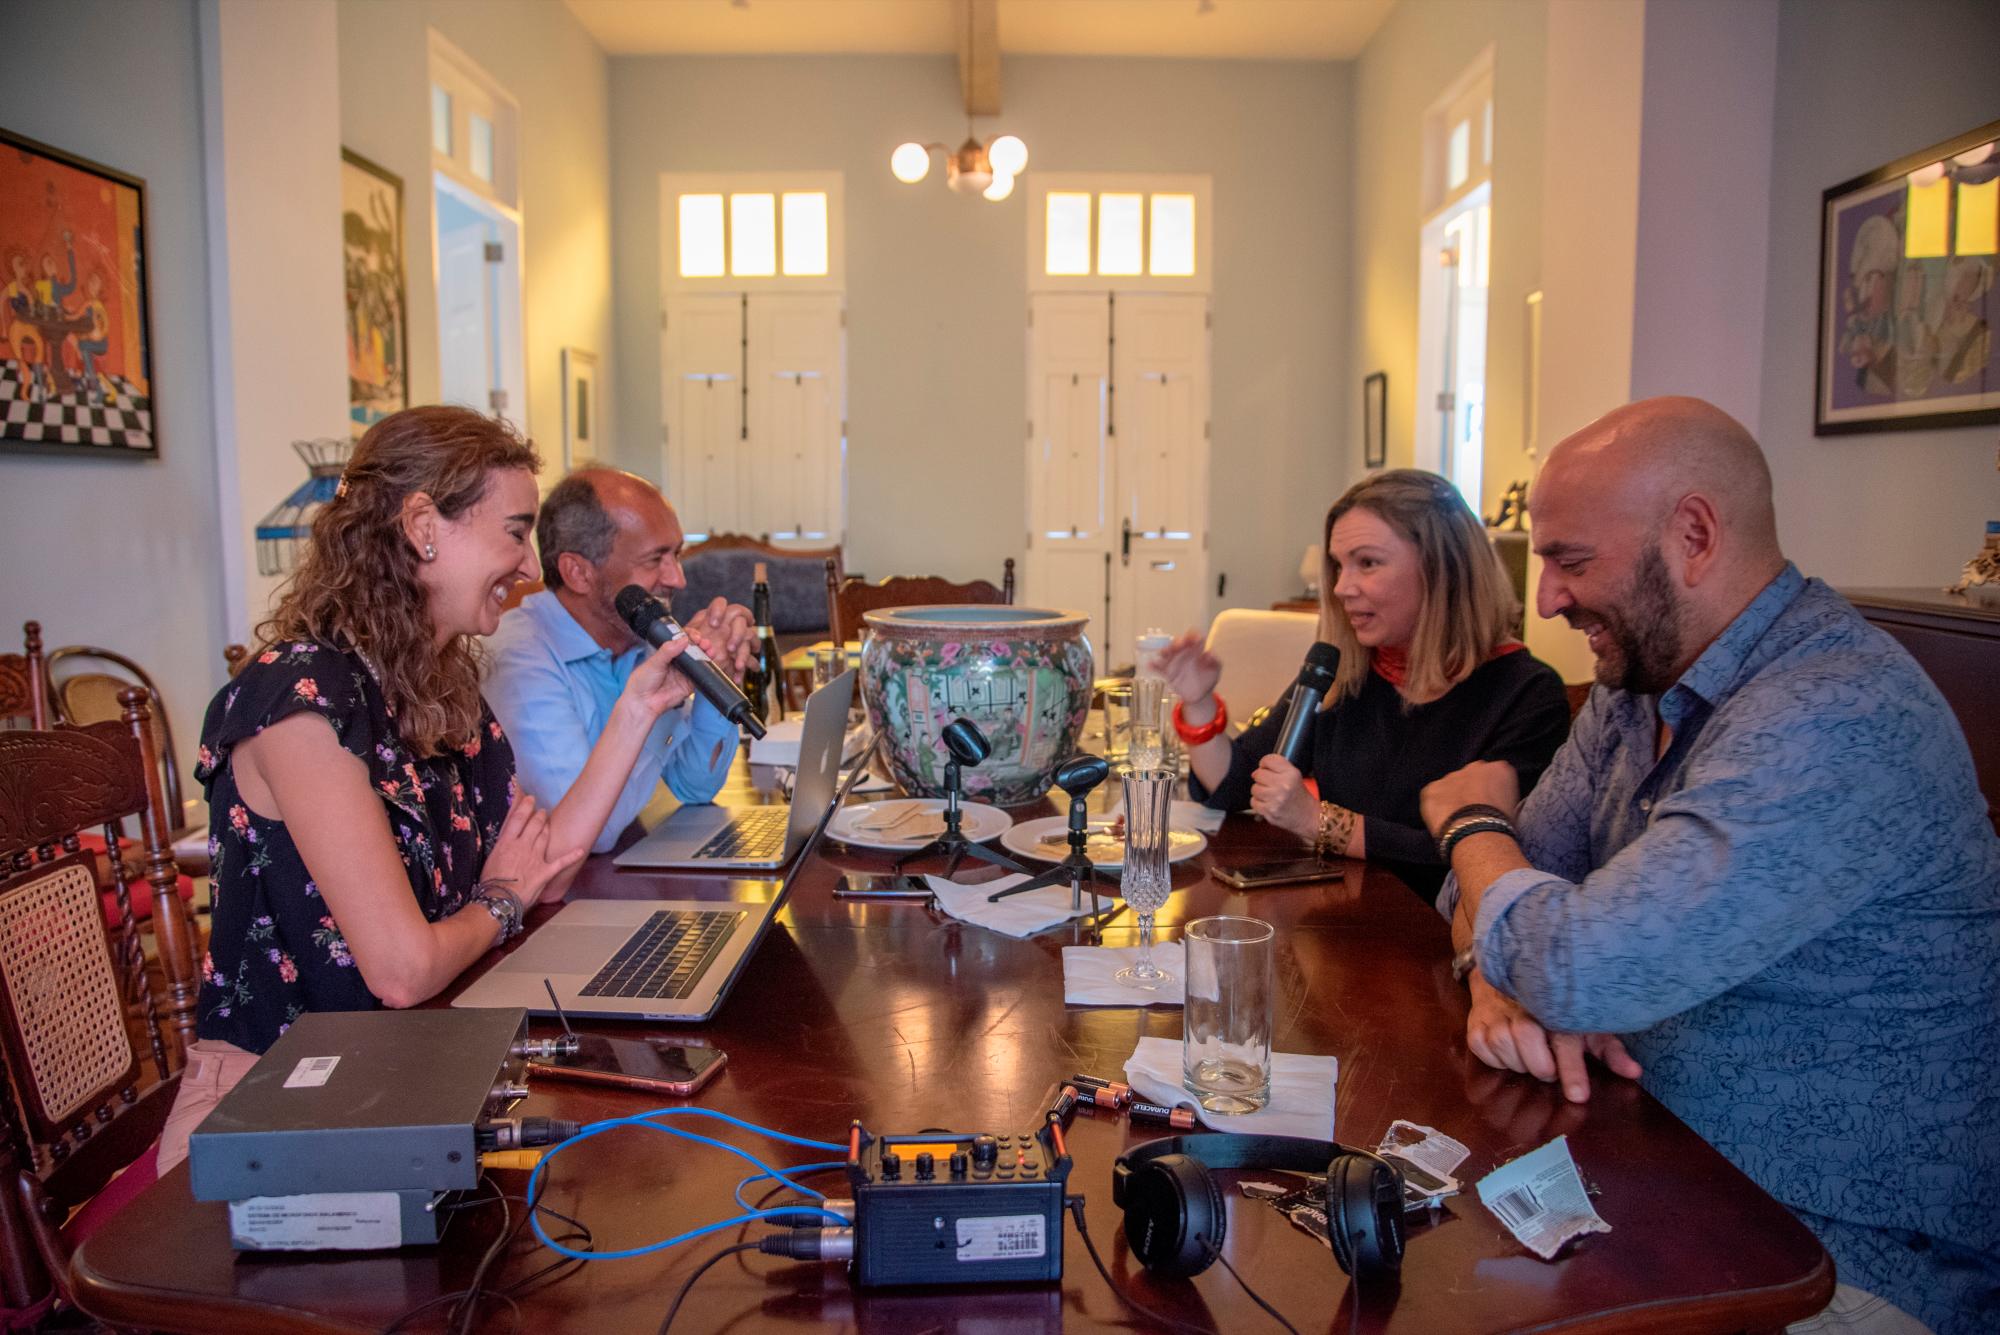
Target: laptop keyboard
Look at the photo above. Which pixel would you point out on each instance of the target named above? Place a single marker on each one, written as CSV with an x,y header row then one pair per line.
x,y
755,834
667,956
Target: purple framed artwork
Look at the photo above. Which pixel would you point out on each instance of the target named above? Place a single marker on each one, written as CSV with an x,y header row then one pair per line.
x,y
1907,300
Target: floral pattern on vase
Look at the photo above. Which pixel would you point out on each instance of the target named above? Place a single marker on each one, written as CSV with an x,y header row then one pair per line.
x,y
1022,675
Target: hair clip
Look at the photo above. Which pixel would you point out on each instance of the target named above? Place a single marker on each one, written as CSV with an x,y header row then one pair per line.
x,y
340,489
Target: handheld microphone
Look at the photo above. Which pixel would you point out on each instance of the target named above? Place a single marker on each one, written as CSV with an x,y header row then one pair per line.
x,y
1315,680
649,618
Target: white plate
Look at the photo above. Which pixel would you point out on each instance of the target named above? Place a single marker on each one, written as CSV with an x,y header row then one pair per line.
x,y
1047,840
857,825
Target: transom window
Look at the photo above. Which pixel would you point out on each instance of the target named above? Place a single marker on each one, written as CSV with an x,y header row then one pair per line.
x,y
774,231
1113,231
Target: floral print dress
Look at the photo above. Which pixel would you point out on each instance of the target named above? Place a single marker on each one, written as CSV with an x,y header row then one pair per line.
x,y
275,950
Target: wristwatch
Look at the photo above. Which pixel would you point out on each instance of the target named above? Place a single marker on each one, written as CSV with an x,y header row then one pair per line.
x,y
1462,964
503,904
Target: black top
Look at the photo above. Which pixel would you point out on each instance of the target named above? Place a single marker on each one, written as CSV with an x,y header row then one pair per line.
x,y
1374,752
274,952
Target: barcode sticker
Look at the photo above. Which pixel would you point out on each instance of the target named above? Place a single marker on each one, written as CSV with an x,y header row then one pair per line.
x,y
1014,1237
311,1072
1541,1200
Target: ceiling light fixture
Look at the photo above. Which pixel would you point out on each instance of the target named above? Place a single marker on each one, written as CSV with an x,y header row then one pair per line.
x,y
972,168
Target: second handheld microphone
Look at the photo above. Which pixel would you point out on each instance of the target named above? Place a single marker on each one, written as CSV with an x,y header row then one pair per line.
x,y
1315,680
649,618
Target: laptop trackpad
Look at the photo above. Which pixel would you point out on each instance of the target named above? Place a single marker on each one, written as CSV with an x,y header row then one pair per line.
x,y
562,948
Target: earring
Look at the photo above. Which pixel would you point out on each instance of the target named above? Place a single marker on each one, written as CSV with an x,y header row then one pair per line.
x,y
430,552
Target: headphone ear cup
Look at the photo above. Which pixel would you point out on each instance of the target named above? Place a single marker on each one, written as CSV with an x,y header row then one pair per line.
x,y
1174,1215
1364,1215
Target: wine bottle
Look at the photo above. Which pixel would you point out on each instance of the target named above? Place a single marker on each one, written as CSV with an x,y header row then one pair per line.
x,y
769,697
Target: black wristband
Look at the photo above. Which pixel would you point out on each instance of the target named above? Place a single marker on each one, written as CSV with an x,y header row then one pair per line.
x,y
1470,820
1473,809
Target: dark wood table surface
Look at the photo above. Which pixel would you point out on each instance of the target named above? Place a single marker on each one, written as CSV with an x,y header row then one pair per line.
x,y
908,1020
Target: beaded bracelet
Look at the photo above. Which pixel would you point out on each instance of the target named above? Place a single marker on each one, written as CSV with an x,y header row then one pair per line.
x,y
1208,731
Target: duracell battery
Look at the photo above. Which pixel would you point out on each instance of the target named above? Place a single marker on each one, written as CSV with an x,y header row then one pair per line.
x,y
1101,1098
1180,1119
1064,1107
1120,1094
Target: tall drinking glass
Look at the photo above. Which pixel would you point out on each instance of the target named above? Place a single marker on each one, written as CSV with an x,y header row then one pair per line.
x,y
1226,1043
1148,699
1145,882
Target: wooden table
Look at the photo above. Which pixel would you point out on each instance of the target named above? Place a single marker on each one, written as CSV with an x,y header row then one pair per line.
x,y
910,1020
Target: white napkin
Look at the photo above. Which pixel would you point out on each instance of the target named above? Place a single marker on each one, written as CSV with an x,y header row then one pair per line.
x,y
1088,981
1184,816
1016,915
1301,1091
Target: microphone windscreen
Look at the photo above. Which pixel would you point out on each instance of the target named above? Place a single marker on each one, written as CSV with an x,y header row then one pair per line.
x,y
639,608
1321,661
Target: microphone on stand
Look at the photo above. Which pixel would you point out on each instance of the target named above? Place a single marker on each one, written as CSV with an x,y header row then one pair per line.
x,y
1315,680
649,619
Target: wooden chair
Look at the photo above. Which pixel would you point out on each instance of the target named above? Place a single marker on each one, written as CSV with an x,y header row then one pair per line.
x,y
88,1089
85,693
24,684
724,565
847,599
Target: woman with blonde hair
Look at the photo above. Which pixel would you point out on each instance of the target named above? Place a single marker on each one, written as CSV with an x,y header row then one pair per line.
x,y
1430,679
367,836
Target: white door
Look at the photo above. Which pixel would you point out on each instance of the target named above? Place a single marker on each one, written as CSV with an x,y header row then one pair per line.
x,y
701,387
1069,492
465,322
1160,432
793,481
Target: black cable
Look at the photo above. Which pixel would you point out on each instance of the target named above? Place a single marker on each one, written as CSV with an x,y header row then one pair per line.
x,y
699,1271
1255,1297
468,1297
467,1311
1075,1204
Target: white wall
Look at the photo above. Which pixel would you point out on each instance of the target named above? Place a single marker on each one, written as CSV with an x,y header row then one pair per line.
x,y
126,555
936,283
542,56
1860,85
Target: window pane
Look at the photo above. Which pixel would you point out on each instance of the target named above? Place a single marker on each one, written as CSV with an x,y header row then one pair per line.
x,y
1172,241
1120,222
753,236
1926,234
805,233
1458,156
482,146
1068,242
440,120
701,236
1979,218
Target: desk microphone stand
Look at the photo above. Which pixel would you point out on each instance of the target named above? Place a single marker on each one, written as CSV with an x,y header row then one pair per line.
x,y
953,844
1075,870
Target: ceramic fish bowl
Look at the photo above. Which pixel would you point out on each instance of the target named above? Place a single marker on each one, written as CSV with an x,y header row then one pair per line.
x,y
1021,674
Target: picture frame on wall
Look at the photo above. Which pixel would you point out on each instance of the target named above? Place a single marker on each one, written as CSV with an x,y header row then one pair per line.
x,y
582,408
1909,292
1375,420
76,334
371,231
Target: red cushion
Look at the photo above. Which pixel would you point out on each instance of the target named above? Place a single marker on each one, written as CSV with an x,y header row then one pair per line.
x,y
139,891
117,1194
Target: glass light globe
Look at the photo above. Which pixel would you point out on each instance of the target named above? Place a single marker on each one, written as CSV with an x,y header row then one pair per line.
x,y
1003,186
1009,155
911,163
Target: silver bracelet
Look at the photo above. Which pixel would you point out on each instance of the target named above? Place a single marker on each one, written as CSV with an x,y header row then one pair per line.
x,y
504,905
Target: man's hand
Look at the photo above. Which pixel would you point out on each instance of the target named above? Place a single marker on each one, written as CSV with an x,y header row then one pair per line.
x,y
1278,794
726,634
1490,782
1503,1035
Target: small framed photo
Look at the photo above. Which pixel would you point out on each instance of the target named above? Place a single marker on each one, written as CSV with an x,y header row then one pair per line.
x,y
1375,420
581,408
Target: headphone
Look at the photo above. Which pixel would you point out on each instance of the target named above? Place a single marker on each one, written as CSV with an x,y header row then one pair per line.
x,y
1174,1216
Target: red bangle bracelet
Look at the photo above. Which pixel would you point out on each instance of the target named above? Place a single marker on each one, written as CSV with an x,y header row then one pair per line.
x,y
1208,731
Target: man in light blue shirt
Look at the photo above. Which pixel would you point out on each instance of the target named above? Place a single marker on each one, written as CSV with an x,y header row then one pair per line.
x,y
1759,876
557,663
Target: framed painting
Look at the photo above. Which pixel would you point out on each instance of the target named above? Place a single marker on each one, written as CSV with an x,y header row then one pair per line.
x,y
76,342
1375,420
371,230
1906,292
581,408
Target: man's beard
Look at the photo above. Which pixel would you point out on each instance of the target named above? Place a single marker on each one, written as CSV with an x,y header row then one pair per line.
x,y
1643,630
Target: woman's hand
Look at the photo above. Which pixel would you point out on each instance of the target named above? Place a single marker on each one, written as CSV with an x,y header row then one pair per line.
x,y
1278,794
1192,671
520,858
656,685
725,633
1503,1035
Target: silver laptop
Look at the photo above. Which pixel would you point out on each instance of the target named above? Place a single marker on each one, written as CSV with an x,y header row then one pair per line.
x,y
710,836
672,959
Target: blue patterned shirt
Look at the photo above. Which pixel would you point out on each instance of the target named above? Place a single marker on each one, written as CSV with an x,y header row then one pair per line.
x,y
1793,914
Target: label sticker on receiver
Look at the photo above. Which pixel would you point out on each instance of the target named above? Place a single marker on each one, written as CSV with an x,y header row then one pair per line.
x,y
311,1072
1010,1237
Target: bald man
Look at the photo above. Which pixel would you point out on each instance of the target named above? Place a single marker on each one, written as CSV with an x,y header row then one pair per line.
x,y
1759,876
556,666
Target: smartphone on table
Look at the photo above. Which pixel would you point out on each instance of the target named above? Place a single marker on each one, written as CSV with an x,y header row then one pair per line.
x,y
654,1065
1291,871
865,885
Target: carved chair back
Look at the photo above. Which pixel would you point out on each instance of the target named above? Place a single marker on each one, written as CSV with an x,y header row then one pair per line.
x,y
847,599
24,684
85,693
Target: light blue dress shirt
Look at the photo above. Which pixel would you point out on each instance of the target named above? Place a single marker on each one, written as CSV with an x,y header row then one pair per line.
x,y
552,687
1794,917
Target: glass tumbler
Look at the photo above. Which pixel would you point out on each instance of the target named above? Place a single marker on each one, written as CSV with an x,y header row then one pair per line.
x,y
1226,1035
1146,882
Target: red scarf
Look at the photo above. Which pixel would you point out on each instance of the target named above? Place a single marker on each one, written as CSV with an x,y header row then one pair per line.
x,y
1393,665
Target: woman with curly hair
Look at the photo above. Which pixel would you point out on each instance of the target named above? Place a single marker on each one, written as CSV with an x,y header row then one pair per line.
x,y
367,838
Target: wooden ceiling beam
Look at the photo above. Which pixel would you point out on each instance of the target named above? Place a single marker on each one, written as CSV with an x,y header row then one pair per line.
x,y
979,57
